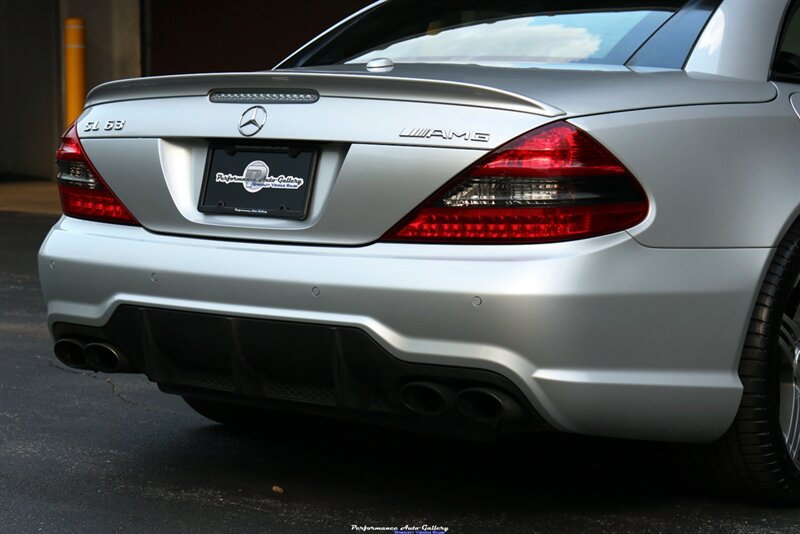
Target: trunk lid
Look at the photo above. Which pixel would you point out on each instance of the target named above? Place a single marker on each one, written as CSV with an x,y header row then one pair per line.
x,y
384,142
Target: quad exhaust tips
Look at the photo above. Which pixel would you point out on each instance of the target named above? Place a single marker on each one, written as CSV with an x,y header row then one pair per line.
x,y
481,404
92,356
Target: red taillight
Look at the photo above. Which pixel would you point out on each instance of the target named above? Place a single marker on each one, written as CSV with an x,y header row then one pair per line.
x,y
83,192
552,184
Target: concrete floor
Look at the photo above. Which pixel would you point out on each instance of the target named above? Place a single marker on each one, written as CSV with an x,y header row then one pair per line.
x,y
82,452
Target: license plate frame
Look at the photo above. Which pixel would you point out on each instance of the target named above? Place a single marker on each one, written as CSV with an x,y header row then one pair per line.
x,y
258,180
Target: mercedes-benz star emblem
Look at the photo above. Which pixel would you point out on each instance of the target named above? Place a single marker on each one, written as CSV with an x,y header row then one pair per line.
x,y
252,121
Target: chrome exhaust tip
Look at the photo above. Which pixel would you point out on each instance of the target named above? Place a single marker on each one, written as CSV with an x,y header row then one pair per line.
x,y
70,352
105,358
485,405
426,398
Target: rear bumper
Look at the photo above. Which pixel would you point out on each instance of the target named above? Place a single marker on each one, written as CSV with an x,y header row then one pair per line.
x,y
602,336
314,368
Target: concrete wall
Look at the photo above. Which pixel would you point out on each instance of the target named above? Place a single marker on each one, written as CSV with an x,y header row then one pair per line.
x,y
113,45
31,101
180,36
30,87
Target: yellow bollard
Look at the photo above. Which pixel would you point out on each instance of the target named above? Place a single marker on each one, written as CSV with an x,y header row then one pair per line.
x,y
74,68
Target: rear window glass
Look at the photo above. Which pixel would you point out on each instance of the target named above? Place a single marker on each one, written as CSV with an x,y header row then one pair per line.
x,y
507,32
787,63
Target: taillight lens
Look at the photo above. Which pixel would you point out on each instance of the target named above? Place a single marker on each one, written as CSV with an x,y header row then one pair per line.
x,y
553,184
83,192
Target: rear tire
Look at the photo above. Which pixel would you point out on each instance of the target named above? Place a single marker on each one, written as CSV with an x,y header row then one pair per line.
x,y
759,456
229,414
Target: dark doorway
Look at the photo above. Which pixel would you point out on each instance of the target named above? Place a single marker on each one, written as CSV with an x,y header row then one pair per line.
x,y
182,36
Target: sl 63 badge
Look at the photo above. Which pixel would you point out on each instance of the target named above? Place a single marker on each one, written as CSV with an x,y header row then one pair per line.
x,y
115,125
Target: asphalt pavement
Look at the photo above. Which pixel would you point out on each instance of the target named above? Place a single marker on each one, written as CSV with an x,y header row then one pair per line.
x,y
83,452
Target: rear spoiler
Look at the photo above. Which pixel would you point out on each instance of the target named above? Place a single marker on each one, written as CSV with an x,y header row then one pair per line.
x,y
327,85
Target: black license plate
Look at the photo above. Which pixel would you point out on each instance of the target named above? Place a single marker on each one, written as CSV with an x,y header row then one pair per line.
x,y
261,181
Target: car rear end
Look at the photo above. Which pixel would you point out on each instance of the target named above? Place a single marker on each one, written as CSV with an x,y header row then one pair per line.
x,y
468,255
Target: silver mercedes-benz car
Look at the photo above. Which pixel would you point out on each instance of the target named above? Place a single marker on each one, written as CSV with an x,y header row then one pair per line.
x,y
462,217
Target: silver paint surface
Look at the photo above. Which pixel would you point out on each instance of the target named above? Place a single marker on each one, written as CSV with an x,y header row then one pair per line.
x,y
636,334
579,327
739,40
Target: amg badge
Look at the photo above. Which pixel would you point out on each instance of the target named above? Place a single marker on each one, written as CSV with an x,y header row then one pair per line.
x,y
429,133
